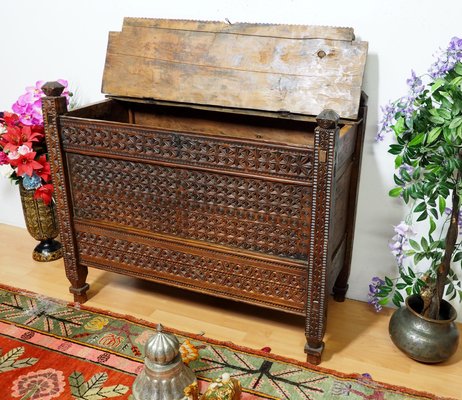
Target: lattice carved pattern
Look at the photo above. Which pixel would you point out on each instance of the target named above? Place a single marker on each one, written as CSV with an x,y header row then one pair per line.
x,y
170,264
266,159
245,213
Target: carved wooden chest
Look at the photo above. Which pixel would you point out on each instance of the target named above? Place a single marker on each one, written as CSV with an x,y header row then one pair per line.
x,y
225,161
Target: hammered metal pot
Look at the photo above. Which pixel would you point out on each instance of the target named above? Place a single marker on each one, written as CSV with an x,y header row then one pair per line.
x,y
42,224
424,339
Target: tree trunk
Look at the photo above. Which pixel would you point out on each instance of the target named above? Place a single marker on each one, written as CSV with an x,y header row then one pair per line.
x,y
443,269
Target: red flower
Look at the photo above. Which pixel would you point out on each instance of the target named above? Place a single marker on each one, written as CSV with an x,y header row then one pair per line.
x,y
45,193
44,172
11,119
18,135
26,164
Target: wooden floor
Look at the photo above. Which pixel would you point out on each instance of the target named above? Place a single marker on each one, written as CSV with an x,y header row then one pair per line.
x,y
356,340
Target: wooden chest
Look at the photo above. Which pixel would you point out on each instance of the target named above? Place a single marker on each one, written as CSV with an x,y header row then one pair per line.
x,y
225,161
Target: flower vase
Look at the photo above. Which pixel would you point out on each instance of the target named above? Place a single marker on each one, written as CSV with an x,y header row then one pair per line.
x,y
42,224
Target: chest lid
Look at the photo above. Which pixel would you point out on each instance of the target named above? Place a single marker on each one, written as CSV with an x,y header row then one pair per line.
x,y
291,68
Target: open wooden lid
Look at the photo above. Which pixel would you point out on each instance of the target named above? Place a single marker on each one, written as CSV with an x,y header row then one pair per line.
x,y
291,68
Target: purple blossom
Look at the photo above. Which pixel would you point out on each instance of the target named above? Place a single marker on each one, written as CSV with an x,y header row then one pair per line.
x,y
447,59
388,119
399,242
374,289
404,229
415,83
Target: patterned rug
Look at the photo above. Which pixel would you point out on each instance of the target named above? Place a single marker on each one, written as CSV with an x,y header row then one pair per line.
x,y
53,350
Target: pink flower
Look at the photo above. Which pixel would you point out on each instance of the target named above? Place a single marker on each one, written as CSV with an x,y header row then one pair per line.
x,y
35,91
45,384
30,113
24,149
13,155
3,158
29,105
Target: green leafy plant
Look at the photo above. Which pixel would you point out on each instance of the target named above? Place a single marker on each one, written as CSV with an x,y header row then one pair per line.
x,y
427,126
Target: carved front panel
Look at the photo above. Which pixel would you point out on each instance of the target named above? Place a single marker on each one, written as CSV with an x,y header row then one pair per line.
x,y
245,213
238,277
189,149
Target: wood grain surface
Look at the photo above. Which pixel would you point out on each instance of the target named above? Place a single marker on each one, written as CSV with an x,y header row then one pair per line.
x,y
300,69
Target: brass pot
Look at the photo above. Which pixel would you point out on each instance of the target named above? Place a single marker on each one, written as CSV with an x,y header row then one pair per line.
x,y
42,224
424,339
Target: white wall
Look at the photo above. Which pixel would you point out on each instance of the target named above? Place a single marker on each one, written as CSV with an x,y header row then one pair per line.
x,y
52,39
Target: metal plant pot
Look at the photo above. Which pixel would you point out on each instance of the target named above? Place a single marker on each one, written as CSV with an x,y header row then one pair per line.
x,y
424,339
42,224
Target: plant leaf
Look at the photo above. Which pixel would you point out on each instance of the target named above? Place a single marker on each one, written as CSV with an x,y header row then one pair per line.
x,y
422,216
420,207
441,204
415,245
432,226
418,139
438,83
395,192
458,68
458,257
455,123
433,134
399,127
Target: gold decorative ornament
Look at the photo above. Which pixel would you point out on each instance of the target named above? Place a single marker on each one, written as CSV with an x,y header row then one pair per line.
x,y
223,388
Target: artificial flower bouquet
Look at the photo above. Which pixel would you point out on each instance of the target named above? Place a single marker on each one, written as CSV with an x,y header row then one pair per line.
x,y
23,152
427,128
